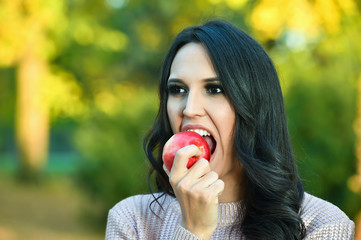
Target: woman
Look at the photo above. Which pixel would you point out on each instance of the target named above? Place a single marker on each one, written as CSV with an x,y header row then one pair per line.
x,y
218,81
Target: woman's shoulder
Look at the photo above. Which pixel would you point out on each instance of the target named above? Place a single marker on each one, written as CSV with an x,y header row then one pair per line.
x,y
140,204
139,216
323,219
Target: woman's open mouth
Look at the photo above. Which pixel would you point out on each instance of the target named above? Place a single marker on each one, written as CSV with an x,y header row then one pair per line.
x,y
208,137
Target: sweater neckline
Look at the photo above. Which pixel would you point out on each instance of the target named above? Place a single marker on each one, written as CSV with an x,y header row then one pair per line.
x,y
230,213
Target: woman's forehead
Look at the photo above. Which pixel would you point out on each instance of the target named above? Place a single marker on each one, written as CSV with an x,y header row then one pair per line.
x,y
192,60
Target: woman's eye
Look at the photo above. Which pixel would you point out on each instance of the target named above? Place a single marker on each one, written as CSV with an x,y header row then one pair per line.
x,y
214,89
176,90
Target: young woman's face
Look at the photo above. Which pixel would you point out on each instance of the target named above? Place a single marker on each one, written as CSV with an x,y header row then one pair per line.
x,y
196,101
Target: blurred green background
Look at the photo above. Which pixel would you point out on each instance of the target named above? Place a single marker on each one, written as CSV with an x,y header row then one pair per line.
x,y
78,90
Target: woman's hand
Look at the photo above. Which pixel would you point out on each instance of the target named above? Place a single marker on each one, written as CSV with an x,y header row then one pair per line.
x,y
197,190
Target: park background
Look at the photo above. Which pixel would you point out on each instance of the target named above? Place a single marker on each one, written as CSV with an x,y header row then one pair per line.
x,y
78,90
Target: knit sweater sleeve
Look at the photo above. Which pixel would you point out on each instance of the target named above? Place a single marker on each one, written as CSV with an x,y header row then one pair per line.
x,y
324,220
342,231
119,224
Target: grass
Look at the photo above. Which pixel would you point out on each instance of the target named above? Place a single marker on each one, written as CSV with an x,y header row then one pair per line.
x,y
52,209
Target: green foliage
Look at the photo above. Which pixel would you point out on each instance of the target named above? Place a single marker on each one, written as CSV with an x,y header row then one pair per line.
x,y
113,164
320,120
320,86
7,105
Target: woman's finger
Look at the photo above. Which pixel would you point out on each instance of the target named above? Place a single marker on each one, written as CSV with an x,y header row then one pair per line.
x,y
179,167
199,169
208,179
217,187
166,170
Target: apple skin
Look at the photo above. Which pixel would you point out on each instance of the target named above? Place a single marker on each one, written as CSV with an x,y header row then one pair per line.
x,y
180,140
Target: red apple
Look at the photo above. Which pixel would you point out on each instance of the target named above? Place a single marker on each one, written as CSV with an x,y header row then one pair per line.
x,y
180,140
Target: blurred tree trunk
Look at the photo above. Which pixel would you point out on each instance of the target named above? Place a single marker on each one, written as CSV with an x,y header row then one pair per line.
x,y
32,123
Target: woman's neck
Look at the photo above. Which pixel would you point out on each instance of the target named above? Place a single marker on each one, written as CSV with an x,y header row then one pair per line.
x,y
233,185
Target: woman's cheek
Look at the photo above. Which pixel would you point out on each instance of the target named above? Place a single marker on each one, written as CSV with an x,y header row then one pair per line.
x,y
172,116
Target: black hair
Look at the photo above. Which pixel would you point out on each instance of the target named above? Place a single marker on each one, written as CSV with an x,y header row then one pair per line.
x,y
273,191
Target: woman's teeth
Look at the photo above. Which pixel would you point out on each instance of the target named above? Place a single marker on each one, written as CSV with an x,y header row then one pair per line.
x,y
201,132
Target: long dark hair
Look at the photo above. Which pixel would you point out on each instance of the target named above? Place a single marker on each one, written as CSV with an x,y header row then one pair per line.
x,y
273,191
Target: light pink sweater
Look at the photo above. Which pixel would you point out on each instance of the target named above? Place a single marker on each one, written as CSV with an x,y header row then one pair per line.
x,y
133,219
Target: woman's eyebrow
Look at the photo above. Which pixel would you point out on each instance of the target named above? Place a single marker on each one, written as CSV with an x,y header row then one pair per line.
x,y
207,80
174,80
212,80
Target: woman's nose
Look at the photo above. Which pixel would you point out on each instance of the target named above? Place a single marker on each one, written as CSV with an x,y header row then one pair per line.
x,y
194,105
